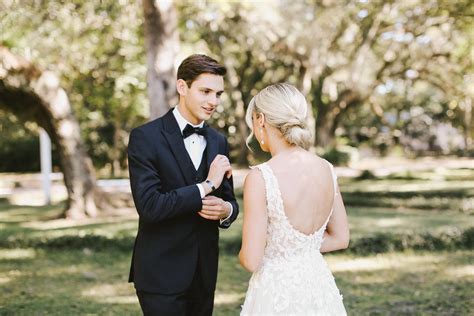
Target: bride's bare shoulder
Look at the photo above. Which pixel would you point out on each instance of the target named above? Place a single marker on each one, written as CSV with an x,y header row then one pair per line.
x,y
254,177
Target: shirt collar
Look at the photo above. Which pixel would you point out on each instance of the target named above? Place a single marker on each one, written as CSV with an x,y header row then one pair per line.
x,y
182,122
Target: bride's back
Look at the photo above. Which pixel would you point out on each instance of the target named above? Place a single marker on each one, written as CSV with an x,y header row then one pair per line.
x,y
307,189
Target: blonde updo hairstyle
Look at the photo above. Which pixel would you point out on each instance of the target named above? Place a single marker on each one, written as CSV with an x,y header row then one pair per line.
x,y
284,108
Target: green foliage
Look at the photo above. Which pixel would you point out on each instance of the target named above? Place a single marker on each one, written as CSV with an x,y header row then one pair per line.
x,y
19,143
97,49
386,74
381,242
89,241
460,200
388,242
337,157
366,175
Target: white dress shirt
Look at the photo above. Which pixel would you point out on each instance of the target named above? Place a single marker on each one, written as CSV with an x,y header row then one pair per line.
x,y
195,145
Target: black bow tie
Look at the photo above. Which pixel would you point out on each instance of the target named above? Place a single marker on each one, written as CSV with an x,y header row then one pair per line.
x,y
189,130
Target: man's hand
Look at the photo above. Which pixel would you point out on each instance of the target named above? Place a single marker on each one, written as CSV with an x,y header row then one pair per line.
x,y
214,208
219,168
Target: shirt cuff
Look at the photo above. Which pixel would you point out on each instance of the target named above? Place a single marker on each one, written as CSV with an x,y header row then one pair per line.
x,y
230,213
201,190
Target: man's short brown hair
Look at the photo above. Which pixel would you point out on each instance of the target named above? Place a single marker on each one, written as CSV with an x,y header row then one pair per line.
x,y
198,64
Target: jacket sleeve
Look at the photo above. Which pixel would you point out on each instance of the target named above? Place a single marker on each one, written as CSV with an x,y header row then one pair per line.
x,y
152,204
228,194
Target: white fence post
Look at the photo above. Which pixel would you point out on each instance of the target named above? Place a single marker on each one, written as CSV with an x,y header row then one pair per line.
x,y
45,152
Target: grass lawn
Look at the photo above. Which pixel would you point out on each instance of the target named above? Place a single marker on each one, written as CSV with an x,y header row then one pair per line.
x,y
408,283
87,282
79,278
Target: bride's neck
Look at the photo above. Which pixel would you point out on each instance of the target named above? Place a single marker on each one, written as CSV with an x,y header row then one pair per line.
x,y
280,147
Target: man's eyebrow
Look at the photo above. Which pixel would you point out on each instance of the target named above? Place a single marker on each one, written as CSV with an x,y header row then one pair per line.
x,y
210,89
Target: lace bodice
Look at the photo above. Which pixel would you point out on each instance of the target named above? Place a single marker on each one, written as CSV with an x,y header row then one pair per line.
x,y
283,240
293,277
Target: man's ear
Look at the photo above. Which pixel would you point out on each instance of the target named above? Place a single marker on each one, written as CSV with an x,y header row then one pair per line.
x,y
182,87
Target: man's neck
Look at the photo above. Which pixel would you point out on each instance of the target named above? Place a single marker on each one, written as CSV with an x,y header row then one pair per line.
x,y
185,115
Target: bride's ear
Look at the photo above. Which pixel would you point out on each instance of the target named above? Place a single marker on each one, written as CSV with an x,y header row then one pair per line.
x,y
261,120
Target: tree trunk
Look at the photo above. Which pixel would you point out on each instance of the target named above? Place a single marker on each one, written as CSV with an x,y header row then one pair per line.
x,y
304,85
329,115
237,102
162,45
36,96
325,128
466,105
115,150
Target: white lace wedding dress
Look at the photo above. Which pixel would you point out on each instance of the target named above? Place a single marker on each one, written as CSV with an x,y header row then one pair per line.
x,y
293,278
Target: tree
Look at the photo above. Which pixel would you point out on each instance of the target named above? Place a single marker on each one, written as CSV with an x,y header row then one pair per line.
x,y
36,95
337,52
162,45
97,50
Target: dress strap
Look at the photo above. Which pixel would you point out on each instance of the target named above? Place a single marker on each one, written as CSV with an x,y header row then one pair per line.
x,y
266,179
334,180
271,188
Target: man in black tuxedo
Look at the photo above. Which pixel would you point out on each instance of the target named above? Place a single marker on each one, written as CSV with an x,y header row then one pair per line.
x,y
181,182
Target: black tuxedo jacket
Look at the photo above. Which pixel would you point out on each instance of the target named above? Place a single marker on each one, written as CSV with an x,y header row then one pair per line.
x,y
172,237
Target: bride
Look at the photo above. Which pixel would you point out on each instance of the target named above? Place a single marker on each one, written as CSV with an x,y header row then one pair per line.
x,y
293,213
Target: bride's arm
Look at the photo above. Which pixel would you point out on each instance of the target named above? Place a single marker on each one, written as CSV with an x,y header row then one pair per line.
x,y
254,229
336,236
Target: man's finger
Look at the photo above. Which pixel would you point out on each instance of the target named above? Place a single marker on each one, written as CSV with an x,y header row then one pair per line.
x,y
213,208
212,202
212,212
210,217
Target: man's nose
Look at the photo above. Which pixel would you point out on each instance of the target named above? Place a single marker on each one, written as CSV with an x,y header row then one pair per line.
x,y
213,100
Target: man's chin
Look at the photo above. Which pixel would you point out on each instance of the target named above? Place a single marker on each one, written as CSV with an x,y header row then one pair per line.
x,y
205,116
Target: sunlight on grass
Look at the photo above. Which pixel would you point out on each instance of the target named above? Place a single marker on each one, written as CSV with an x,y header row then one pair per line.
x,y
129,299
111,293
389,222
228,298
364,221
386,262
67,223
10,213
460,272
404,186
4,280
15,254
35,197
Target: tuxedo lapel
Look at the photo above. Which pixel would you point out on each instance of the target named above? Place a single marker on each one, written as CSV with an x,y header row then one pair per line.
x,y
212,146
174,138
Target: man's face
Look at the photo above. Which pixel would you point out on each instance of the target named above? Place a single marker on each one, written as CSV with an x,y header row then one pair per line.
x,y
202,98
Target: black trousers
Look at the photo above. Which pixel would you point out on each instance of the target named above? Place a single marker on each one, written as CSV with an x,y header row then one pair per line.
x,y
195,301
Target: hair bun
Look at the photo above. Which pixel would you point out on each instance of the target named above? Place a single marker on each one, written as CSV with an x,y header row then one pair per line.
x,y
285,108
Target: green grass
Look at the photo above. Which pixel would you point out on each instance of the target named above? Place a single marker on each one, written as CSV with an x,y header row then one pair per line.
x,y
65,282
86,282
63,267
408,283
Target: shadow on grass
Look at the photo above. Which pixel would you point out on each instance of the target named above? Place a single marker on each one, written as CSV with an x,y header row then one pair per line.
x,y
408,283
10,213
461,200
67,282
